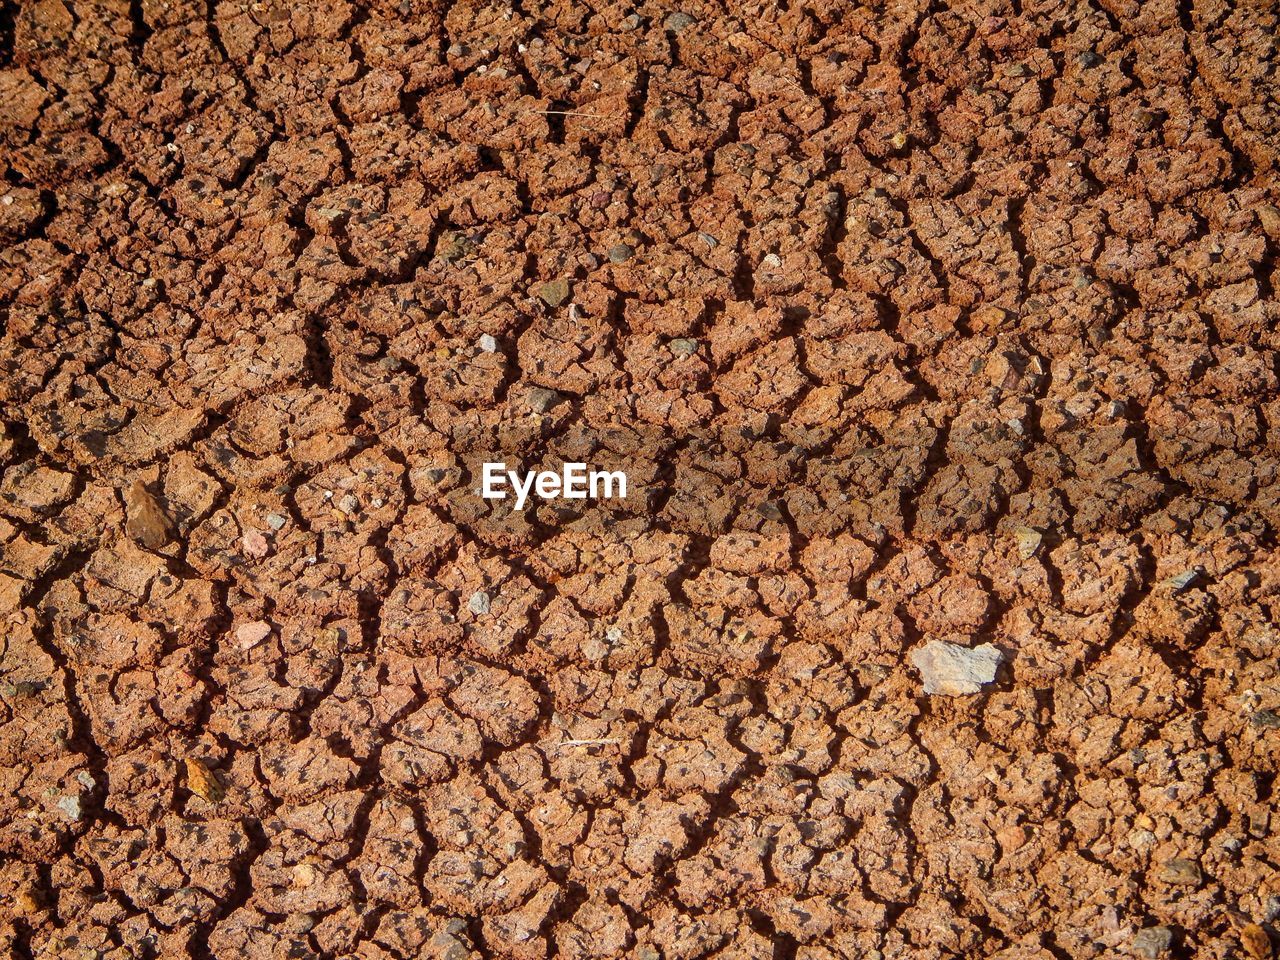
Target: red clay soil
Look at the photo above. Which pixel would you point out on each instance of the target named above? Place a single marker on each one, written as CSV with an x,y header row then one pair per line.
x,y
931,337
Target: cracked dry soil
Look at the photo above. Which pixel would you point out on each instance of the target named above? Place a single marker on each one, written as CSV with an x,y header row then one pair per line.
x,y
912,324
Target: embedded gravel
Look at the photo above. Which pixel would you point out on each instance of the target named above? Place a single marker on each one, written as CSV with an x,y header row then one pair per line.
x,y
939,345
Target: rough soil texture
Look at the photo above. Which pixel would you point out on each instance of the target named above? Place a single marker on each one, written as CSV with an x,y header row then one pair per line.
x,y
917,328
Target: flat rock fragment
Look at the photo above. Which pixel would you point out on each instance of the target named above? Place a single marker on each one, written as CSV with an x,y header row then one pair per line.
x,y
147,522
951,670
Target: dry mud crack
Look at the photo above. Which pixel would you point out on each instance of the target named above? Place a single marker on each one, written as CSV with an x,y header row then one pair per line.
x,y
938,342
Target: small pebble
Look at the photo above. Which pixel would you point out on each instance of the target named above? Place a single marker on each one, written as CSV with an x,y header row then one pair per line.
x,y
1269,220
678,22
1146,119
1182,872
1089,59
554,292
488,344
202,781
276,520
455,246
348,504
621,252
71,808
951,670
19,690
541,399
1181,581
1153,942
251,634
254,544
769,510
479,603
1265,719
683,347
1029,540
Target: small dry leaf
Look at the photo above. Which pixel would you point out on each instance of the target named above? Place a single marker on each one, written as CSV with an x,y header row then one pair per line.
x,y
1256,942
147,522
254,544
203,782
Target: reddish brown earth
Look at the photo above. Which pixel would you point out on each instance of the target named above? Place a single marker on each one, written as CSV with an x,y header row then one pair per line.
x,y
909,323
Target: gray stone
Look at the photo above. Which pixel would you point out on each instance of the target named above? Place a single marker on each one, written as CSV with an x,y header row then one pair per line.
x,y
276,520
479,603
951,670
621,252
678,22
683,347
770,510
1153,942
541,399
71,808
1182,872
1265,719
